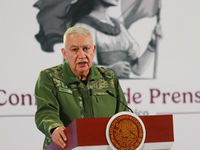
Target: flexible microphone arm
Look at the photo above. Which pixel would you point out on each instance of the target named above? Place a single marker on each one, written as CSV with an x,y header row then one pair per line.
x,y
91,103
111,94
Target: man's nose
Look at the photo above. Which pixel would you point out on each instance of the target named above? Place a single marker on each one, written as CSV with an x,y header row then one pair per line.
x,y
81,54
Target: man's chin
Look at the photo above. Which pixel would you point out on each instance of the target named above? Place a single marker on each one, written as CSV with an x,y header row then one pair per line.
x,y
82,69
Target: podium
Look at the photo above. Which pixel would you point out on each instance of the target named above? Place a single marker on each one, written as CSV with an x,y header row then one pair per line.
x,y
90,134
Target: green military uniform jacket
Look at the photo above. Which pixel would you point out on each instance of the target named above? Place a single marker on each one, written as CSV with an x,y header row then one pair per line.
x,y
62,97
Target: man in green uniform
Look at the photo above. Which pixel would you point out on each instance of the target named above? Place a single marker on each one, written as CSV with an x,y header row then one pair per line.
x,y
75,89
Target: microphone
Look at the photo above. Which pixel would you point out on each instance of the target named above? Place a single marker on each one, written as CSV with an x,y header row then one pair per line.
x,y
111,94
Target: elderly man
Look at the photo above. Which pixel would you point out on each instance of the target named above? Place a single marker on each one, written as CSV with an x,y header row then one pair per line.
x,y
75,89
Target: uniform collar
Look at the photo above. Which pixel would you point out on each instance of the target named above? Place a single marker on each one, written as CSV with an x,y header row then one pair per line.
x,y
69,76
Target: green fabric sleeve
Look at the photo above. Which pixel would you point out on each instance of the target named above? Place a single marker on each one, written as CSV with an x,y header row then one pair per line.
x,y
47,114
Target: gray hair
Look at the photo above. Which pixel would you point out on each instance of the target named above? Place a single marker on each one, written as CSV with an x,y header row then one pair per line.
x,y
76,30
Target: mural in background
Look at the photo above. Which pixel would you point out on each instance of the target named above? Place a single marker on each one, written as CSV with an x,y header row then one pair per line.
x,y
116,49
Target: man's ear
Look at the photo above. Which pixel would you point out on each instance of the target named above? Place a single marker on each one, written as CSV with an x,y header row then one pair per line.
x,y
64,53
94,48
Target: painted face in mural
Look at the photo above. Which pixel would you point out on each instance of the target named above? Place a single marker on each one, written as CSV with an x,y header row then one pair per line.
x,y
111,2
79,53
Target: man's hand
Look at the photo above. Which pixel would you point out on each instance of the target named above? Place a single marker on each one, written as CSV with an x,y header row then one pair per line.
x,y
59,137
121,69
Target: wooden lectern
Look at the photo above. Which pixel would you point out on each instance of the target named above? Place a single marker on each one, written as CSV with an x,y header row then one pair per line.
x,y
90,133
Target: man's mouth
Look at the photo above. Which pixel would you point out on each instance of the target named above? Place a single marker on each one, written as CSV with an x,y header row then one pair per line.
x,y
82,63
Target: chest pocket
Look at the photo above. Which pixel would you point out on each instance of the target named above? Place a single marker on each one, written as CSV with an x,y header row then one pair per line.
x,y
100,95
104,104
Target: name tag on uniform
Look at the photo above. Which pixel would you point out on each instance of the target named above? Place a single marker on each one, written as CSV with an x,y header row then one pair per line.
x,y
100,93
65,90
